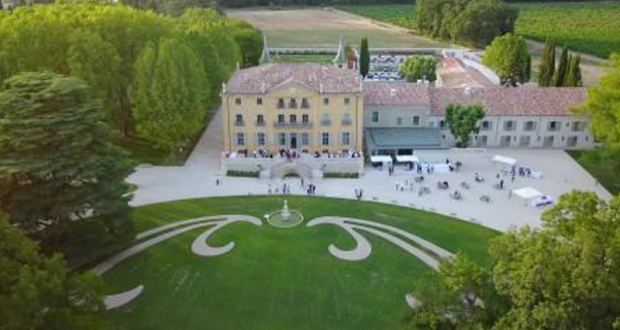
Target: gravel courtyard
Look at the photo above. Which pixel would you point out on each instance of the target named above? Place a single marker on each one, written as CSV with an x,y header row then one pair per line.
x,y
560,172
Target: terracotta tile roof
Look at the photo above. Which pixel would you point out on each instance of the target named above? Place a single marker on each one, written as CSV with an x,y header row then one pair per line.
x,y
452,73
391,93
315,77
522,101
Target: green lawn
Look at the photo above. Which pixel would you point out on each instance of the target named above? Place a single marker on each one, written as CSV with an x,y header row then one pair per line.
x,y
281,278
312,58
599,164
397,14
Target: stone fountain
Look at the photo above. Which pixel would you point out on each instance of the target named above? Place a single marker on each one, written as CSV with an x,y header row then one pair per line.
x,y
284,218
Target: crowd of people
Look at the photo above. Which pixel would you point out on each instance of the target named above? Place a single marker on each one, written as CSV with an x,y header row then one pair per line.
x,y
292,154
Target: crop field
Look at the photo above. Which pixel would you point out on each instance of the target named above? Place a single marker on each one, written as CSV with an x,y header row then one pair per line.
x,y
592,28
401,15
320,28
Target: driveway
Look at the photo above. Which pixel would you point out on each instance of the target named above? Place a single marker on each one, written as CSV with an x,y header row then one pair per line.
x,y
561,174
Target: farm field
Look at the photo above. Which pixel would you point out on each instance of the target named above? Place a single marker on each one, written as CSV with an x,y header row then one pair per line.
x,y
316,28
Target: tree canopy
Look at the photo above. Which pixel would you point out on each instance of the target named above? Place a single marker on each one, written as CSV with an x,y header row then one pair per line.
x,y
546,70
418,67
101,43
603,106
470,22
40,293
463,122
509,56
364,57
59,168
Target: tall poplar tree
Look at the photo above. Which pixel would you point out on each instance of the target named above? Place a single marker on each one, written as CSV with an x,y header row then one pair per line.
x,y
58,166
546,69
364,57
560,73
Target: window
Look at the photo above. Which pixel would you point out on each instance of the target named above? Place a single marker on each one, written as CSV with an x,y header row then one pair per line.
x,y
304,103
482,140
504,141
305,139
282,139
260,139
346,119
416,120
325,139
240,139
260,120
375,117
579,126
486,126
238,120
325,119
346,139
554,126
399,121
305,119
280,119
442,124
347,101
280,103
238,101
325,101
529,126
524,141
572,141
259,101
548,141
293,119
510,125
292,104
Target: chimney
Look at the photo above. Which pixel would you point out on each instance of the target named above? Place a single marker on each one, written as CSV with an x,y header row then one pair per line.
x,y
393,92
467,90
321,88
223,88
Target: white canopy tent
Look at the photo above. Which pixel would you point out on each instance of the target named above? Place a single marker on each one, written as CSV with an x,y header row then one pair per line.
x,y
504,160
407,159
381,159
527,193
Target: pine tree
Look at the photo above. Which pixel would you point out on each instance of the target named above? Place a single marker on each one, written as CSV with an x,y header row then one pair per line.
x,y
560,73
59,169
364,57
547,65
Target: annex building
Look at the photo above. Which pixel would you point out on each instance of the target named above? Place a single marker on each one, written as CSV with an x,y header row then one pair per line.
x,y
320,108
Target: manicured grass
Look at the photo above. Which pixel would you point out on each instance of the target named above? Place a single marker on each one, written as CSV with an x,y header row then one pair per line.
x,y
592,27
311,58
281,278
600,166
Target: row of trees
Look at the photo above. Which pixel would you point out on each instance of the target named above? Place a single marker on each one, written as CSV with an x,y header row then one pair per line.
x,y
470,22
566,74
562,276
108,45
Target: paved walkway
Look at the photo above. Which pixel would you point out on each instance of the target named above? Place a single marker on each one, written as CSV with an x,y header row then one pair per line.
x,y
561,174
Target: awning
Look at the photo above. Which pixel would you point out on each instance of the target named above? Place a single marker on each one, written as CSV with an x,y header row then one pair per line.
x,y
407,159
381,159
504,160
527,193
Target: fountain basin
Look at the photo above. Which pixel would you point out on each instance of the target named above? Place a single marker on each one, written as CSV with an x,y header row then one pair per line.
x,y
278,219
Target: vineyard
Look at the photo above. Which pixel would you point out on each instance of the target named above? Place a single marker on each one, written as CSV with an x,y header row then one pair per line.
x,y
592,28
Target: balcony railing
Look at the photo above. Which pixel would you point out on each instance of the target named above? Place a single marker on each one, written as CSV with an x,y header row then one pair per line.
x,y
346,122
260,123
326,122
239,123
292,125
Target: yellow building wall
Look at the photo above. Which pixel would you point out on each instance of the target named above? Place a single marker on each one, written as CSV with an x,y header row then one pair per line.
x,y
250,109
